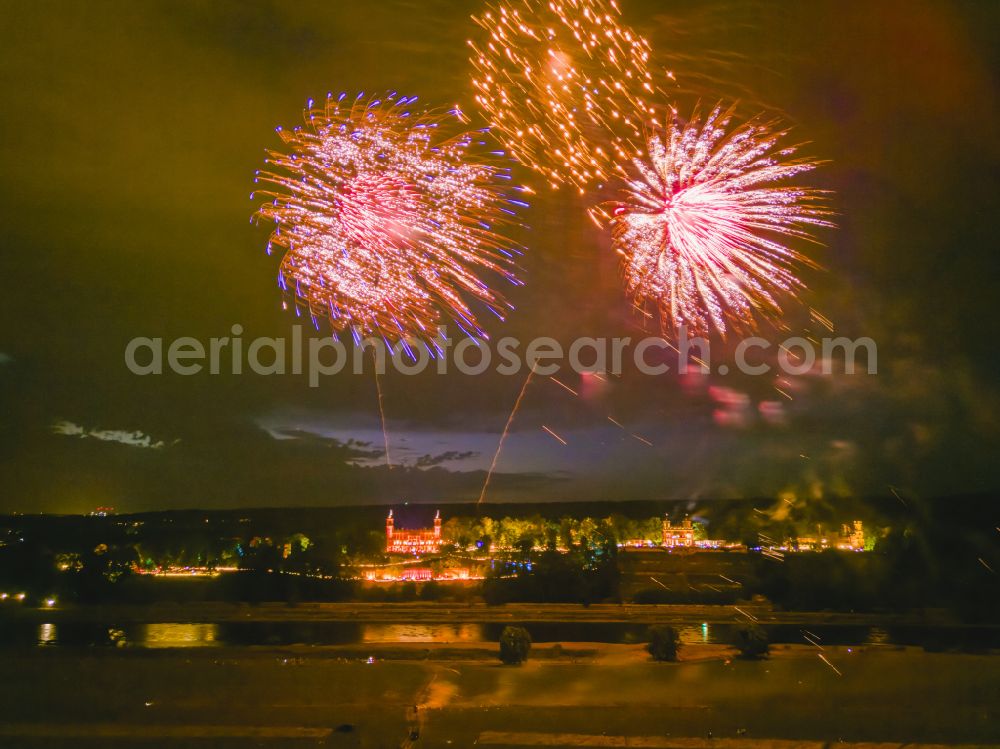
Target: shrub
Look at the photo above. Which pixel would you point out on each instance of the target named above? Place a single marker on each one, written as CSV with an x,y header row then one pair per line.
x,y
515,642
432,591
663,643
751,641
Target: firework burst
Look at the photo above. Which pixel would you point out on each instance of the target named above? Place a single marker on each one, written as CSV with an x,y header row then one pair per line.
x,y
386,225
564,85
703,228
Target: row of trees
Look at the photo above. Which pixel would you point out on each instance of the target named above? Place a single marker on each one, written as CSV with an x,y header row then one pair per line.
x,y
586,572
663,643
85,571
535,531
908,569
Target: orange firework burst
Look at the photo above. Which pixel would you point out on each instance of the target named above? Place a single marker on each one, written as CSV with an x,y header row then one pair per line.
x,y
703,228
564,85
386,224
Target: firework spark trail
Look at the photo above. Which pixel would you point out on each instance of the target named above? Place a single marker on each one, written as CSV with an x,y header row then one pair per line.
x,y
564,386
835,669
381,413
749,616
386,223
618,424
703,225
564,85
503,435
574,393
546,429
811,639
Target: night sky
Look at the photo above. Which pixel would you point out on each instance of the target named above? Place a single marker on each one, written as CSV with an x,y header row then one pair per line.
x,y
129,136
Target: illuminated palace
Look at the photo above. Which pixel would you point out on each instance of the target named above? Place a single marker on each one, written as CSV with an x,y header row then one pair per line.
x,y
418,541
851,538
678,535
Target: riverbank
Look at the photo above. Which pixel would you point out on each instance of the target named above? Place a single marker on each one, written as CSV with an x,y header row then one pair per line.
x,y
592,653
280,696
450,613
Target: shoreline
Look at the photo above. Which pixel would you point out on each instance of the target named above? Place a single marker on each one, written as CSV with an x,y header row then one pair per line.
x,y
475,613
553,653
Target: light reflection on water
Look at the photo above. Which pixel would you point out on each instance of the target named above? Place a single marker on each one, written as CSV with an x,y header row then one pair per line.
x,y
47,633
694,634
179,635
242,634
421,633
878,636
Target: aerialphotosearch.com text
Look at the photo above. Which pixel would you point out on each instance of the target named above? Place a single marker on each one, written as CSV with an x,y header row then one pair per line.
x,y
319,357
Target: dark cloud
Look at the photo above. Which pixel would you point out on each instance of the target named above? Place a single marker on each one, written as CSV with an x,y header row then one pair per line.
x,y
451,456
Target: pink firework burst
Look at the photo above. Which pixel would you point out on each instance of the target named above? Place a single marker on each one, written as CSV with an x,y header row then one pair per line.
x,y
386,224
703,228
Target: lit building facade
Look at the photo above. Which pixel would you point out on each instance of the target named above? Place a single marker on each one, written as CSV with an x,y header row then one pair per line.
x,y
678,536
852,537
401,572
417,541
416,574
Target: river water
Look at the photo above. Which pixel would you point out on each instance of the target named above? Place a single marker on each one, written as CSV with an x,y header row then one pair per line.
x,y
198,634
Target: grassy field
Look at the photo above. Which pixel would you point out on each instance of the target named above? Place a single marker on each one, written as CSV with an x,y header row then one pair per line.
x,y
297,697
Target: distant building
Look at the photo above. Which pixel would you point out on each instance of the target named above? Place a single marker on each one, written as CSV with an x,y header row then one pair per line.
x,y
852,537
454,573
102,512
675,536
637,543
714,543
417,541
808,543
415,574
